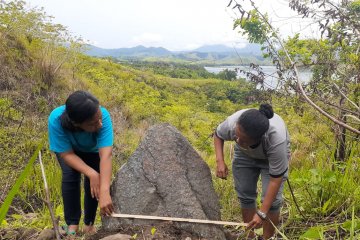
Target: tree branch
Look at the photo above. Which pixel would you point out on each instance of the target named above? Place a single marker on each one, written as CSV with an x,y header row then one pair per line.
x,y
342,94
299,85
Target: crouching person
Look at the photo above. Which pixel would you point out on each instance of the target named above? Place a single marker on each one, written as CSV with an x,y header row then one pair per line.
x,y
262,148
81,135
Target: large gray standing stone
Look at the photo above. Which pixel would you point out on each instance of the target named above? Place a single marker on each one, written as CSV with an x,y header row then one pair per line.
x,y
166,177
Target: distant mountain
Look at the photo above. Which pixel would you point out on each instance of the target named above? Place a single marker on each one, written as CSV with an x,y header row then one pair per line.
x,y
214,48
250,48
138,51
208,54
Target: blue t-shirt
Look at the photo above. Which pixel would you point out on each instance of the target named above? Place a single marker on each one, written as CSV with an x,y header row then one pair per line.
x,y
62,140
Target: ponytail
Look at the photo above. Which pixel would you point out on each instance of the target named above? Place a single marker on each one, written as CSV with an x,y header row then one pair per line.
x,y
66,122
267,110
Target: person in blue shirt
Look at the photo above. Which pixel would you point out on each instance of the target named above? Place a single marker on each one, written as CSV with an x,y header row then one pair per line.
x,y
81,136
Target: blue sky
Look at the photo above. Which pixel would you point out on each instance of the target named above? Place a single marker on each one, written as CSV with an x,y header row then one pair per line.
x,y
173,24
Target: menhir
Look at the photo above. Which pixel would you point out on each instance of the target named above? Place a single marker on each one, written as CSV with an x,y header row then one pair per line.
x,y
166,177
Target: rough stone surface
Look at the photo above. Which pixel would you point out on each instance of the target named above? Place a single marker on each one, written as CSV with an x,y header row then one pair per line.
x,y
166,177
117,237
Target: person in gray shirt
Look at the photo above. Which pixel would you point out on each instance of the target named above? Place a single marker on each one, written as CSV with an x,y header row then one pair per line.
x,y
262,148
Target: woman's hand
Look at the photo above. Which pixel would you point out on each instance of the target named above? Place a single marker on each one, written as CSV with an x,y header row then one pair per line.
x,y
105,203
95,184
222,170
256,222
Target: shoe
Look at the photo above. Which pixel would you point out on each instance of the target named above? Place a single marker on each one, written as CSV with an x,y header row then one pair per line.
x,y
68,234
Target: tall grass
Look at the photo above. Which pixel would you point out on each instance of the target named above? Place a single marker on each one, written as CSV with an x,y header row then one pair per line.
x,y
16,187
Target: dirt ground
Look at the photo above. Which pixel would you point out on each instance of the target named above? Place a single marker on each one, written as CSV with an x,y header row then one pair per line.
x,y
164,231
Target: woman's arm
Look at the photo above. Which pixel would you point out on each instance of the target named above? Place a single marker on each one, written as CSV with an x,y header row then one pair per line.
x,y
271,192
79,165
105,202
221,168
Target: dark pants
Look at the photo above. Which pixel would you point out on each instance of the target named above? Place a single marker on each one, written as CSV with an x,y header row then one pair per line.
x,y
70,187
246,172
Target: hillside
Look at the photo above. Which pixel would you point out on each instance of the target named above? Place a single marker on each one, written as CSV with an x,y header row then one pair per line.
x,y
37,73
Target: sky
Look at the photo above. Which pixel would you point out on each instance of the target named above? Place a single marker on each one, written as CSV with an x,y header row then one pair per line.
x,y
172,24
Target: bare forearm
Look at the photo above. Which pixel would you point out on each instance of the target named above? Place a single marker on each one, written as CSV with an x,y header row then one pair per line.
x,y
271,192
76,163
219,149
105,169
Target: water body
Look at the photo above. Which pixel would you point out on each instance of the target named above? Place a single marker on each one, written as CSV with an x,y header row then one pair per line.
x,y
271,78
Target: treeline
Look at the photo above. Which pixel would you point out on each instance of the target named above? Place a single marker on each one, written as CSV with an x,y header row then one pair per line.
x,y
178,70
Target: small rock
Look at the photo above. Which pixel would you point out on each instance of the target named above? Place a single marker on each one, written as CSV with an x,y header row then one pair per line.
x,y
47,234
117,237
188,238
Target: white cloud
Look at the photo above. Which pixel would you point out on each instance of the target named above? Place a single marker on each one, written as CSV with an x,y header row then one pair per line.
x,y
173,24
86,41
190,46
148,39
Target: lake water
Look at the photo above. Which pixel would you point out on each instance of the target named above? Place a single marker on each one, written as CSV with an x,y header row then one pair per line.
x,y
270,73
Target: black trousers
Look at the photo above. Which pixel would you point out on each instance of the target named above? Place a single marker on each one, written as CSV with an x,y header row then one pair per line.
x,y
70,187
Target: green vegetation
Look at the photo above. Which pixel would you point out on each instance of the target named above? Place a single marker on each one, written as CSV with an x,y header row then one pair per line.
x,y
173,70
179,70
227,74
210,59
37,74
148,56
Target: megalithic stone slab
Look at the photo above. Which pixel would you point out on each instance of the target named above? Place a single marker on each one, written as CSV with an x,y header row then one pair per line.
x,y
165,176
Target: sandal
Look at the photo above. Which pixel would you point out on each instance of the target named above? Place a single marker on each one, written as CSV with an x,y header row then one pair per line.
x,y
68,234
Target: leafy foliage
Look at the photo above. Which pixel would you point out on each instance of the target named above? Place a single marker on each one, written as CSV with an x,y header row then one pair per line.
x,y
173,70
252,26
227,74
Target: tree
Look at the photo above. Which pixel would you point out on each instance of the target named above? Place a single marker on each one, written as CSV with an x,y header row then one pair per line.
x,y
333,58
227,74
49,44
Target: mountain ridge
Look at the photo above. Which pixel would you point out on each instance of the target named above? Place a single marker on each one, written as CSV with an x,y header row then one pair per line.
x,y
207,54
92,50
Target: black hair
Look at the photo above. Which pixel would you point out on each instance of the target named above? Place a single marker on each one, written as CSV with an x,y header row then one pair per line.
x,y
255,122
79,107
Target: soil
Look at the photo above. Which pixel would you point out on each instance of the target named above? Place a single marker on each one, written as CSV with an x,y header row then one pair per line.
x,y
164,231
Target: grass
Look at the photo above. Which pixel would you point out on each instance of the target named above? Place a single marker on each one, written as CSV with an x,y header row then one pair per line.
x,y
326,191
16,187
